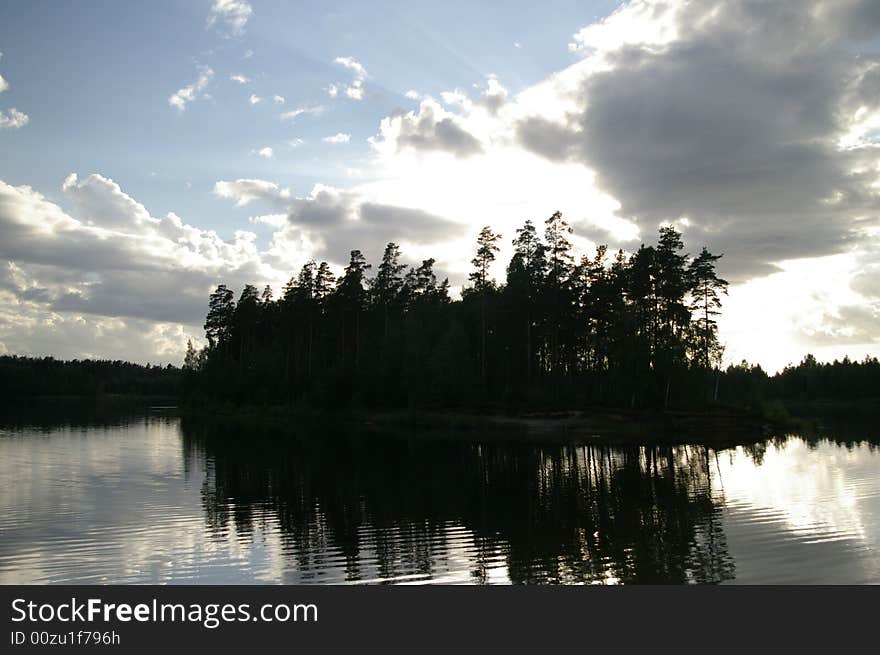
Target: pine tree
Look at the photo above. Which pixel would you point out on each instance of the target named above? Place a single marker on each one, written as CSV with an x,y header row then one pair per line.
x,y
559,264
525,280
388,283
218,324
486,250
705,287
351,290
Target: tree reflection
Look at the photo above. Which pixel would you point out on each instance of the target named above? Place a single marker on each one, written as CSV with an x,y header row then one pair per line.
x,y
388,508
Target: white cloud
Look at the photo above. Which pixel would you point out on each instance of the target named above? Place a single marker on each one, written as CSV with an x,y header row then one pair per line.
x,y
355,89
353,65
413,94
295,143
110,268
187,94
340,137
254,99
265,153
278,100
293,114
3,83
244,191
517,44
248,54
241,79
13,120
232,14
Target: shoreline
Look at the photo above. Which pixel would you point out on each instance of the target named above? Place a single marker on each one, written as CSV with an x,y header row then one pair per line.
x,y
560,427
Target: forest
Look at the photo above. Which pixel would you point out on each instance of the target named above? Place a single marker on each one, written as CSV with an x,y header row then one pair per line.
x,y
636,332
46,376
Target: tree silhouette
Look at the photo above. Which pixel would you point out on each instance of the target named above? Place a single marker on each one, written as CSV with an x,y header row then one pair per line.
x,y
705,286
637,331
486,250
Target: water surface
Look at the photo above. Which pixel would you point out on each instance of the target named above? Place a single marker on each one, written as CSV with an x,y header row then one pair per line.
x,y
158,500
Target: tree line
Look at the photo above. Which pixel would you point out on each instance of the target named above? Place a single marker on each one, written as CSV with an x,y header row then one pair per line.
x,y
608,329
808,386
47,376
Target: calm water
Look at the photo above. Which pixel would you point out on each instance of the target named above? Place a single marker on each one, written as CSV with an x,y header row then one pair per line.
x,y
156,500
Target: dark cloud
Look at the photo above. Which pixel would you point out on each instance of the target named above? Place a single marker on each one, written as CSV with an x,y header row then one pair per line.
x,y
430,130
736,127
343,223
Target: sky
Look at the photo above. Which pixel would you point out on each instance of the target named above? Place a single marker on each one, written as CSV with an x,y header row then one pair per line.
x,y
150,151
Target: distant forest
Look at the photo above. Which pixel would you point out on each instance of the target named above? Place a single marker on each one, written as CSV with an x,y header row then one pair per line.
x,y
47,376
635,332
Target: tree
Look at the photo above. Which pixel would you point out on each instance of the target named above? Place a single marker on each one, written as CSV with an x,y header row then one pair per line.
x,y
324,281
611,330
559,264
672,286
486,250
388,282
192,360
218,324
705,287
558,247
351,290
245,319
525,279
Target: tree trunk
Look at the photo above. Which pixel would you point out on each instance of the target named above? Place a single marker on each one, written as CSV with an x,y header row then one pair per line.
x,y
483,340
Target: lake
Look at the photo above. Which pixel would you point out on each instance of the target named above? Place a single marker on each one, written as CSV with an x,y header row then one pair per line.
x,y
160,499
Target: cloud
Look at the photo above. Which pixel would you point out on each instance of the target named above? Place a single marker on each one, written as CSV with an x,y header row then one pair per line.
x,y
241,79
3,83
266,152
110,265
293,114
187,94
353,65
245,191
13,120
233,15
278,100
729,114
333,221
430,129
254,99
340,137
412,94
355,89
494,97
